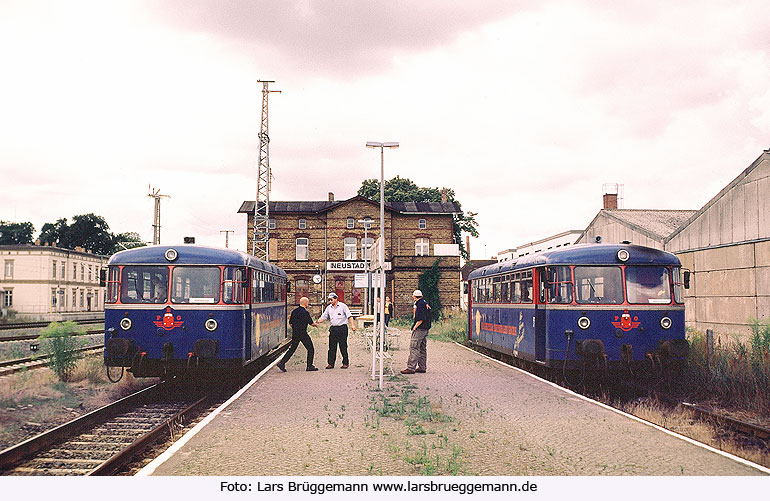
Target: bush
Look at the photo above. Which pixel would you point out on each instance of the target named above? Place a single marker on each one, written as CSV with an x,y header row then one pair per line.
x,y
60,343
736,374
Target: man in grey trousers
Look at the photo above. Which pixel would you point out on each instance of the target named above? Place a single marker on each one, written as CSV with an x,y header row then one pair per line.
x,y
418,354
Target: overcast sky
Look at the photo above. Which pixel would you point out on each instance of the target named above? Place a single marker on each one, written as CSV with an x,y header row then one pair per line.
x,y
525,109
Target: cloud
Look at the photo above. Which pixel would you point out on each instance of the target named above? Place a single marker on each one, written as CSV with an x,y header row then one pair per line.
x,y
339,39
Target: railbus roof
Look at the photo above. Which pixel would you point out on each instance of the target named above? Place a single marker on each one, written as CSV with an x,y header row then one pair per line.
x,y
192,255
581,254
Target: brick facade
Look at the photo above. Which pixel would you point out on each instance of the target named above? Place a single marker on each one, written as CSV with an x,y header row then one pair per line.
x,y
326,228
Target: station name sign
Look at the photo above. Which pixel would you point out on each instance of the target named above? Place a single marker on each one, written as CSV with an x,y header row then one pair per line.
x,y
350,266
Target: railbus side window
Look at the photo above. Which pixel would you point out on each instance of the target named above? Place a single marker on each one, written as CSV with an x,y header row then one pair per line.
x,y
598,285
504,295
516,292
560,284
234,284
113,284
678,285
526,286
496,289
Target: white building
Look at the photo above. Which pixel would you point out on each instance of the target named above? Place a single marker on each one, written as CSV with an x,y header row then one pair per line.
x,y
558,241
50,281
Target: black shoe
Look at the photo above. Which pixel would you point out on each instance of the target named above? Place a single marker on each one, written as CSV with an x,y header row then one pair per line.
x,y
344,366
420,371
281,367
330,366
311,369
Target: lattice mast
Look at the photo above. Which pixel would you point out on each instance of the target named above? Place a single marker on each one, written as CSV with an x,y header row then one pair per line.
x,y
155,193
260,246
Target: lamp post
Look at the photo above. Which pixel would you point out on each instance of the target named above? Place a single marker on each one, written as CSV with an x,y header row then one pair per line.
x,y
381,250
366,223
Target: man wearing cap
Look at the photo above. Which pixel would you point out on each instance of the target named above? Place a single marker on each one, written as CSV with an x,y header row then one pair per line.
x,y
418,353
338,316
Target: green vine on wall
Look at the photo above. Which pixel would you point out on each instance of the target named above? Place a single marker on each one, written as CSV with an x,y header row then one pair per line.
x,y
428,284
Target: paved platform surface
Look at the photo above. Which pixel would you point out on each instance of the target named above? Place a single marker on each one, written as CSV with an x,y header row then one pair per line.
x,y
467,416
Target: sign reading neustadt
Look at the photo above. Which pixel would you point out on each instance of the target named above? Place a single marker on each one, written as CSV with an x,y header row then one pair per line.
x,y
350,266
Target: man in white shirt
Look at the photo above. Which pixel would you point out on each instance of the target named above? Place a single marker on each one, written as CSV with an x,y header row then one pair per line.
x,y
338,314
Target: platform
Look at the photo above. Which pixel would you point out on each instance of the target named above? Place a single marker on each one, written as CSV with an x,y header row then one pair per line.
x,y
468,415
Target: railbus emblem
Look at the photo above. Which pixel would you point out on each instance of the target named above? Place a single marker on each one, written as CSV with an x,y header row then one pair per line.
x,y
624,322
167,320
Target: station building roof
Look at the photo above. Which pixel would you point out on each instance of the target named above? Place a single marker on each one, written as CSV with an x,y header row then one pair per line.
x,y
312,207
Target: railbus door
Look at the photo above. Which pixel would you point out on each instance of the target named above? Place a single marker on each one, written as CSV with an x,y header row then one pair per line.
x,y
539,319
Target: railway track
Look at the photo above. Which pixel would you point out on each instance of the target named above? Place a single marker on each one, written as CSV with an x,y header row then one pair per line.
x,y
22,364
38,325
105,440
30,337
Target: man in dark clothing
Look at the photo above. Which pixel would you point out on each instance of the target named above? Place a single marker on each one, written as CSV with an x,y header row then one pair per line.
x,y
299,320
418,353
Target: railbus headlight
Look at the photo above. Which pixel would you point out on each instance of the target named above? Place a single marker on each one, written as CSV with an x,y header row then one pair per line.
x,y
584,322
211,325
171,254
665,322
125,323
623,255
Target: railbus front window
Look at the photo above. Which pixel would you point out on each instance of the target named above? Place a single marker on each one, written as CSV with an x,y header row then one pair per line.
x,y
195,284
144,284
648,284
598,285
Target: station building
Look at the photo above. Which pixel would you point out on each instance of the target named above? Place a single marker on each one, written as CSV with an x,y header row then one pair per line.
x,y
323,247
50,282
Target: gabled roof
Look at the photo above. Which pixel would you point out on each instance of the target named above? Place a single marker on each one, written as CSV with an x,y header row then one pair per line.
x,y
735,182
310,207
655,224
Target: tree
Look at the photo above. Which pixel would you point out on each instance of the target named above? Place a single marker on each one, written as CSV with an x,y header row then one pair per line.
x,y
401,189
16,233
90,232
128,240
54,233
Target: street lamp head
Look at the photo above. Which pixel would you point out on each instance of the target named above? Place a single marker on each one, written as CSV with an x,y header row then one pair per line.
x,y
376,144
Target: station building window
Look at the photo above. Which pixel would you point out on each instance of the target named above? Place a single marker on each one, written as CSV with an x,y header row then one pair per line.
x,y
271,224
422,224
54,270
302,251
350,249
351,223
302,224
366,247
421,247
8,268
7,298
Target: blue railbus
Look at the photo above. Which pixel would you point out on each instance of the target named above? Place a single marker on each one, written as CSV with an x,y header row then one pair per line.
x,y
187,308
600,307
